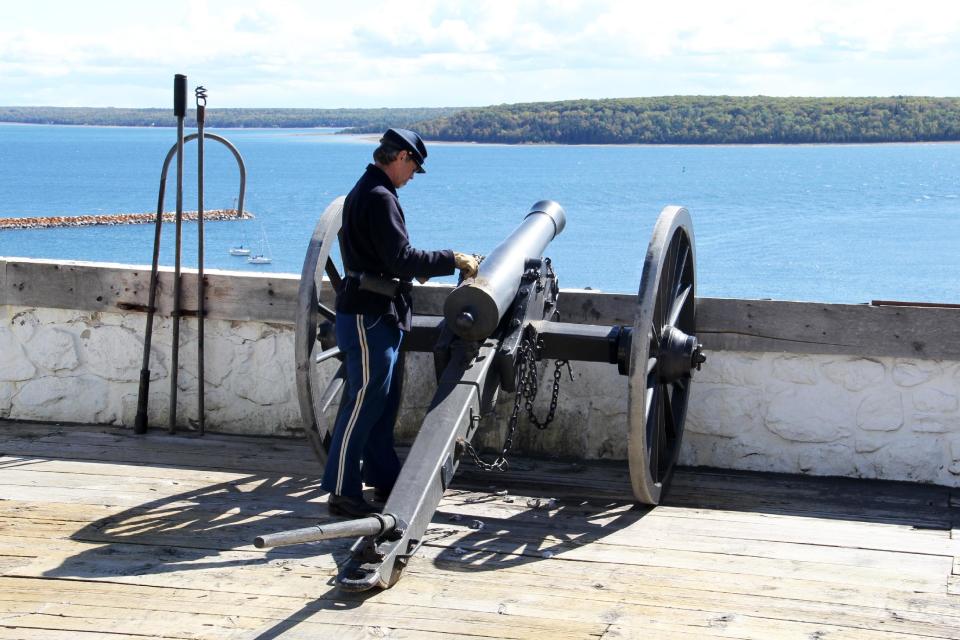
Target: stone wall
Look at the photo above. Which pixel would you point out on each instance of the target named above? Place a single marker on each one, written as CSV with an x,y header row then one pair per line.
x,y
877,397
77,366
881,417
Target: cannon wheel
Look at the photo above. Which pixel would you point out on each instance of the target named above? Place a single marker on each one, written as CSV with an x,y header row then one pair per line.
x,y
315,333
662,354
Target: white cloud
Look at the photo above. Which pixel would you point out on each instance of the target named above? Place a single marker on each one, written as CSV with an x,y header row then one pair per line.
x,y
456,52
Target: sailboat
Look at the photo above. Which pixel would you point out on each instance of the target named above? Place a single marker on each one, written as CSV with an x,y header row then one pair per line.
x,y
262,256
240,250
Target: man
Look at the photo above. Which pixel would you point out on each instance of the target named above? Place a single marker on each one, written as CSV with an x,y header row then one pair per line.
x,y
373,312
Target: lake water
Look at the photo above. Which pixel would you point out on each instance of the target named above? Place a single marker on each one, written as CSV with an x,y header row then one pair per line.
x,y
829,223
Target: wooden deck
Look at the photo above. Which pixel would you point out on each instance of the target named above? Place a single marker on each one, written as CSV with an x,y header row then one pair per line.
x,y
109,535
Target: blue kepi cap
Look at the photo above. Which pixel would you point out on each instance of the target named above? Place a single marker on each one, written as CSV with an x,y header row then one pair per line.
x,y
409,140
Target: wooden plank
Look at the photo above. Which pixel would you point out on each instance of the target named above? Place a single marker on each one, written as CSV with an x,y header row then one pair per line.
x,y
113,287
255,611
127,615
295,494
616,582
186,525
541,600
646,625
835,329
192,528
255,495
157,448
533,596
21,633
81,549
122,470
156,439
196,460
568,598
926,574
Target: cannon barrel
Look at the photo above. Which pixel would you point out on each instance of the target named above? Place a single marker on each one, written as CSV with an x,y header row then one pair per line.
x,y
474,309
373,526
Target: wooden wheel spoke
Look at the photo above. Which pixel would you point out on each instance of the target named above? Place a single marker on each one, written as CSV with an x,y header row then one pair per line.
x,y
333,274
654,427
663,448
326,312
664,287
336,384
648,399
671,421
655,336
679,302
680,269
651,364
678,407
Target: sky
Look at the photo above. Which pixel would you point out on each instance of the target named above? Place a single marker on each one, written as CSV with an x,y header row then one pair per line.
x,y
357,53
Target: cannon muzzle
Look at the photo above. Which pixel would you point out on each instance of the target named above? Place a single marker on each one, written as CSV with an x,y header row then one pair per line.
x,y
375,525
474,309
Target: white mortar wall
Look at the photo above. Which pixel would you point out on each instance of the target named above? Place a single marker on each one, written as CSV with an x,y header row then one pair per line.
x,y
891,418
888,418
82,366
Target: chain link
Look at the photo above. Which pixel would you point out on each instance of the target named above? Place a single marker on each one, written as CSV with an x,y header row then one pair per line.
x,y
528,378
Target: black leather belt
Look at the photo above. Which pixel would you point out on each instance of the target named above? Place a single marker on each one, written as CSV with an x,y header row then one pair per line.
x,y
388,287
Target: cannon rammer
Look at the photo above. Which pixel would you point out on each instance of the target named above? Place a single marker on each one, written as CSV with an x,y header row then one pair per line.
x,y
494,330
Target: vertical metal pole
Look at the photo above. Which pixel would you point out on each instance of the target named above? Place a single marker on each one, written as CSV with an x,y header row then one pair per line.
x,y
143,393
180,110
201,95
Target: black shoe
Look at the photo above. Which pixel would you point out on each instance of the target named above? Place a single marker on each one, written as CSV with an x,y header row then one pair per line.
x,y
347,506
380,494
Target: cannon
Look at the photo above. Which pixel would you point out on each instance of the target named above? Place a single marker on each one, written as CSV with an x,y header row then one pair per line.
x,y
494,330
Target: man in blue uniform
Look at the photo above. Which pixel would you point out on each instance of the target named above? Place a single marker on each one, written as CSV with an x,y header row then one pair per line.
x,y
373,312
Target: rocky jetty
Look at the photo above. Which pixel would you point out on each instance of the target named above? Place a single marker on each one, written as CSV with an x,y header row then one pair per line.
x,y
43,222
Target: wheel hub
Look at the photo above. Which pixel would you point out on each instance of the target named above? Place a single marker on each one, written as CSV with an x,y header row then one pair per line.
x,y
678,354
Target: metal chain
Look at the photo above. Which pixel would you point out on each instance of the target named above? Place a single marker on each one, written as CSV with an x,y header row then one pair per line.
x,y
527,384
557,373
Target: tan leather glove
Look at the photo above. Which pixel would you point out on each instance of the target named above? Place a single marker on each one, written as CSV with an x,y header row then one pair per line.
x,y
467,264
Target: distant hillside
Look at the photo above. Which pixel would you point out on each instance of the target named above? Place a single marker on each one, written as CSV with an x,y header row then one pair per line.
x,y
705,120
665,120
377,119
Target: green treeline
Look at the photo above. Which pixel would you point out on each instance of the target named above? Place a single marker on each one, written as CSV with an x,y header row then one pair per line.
x,y
378,119
664,120
705,120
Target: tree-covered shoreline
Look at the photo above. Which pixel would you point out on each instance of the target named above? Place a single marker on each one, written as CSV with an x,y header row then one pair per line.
x,y
661,120
227,118
706,120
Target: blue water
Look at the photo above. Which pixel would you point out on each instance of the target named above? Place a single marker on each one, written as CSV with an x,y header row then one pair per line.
x,y
830,223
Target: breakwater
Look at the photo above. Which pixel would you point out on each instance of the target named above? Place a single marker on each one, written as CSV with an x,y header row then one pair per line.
x,y
109,219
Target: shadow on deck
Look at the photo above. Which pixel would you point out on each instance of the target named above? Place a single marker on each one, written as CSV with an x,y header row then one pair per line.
x,y
106,532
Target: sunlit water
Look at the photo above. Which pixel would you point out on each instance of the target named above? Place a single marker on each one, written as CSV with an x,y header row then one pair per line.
x,y
831,223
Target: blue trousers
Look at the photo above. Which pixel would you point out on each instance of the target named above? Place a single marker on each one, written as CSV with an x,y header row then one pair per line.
x,y
368,407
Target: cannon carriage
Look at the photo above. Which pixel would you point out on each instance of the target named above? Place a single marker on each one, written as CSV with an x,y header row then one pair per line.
x,y
494,330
